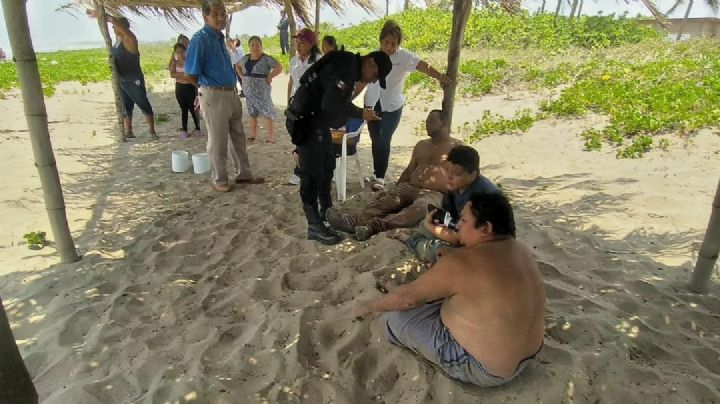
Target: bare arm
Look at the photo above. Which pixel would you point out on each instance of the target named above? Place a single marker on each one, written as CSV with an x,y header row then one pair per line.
x,y
276,70
290,85
128,39
424,67
412,165
438,283
173,71
441,232
358,89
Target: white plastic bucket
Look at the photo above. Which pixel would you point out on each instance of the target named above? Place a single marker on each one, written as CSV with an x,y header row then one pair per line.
x,y
180,161
201,164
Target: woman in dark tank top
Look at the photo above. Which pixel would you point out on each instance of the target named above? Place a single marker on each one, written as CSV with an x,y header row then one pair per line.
x,y
126,57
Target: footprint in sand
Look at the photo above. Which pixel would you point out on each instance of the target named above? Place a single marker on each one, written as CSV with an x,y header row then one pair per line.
x,y
708,358
307,354
309,281
702,391
577,332
77,327
268,289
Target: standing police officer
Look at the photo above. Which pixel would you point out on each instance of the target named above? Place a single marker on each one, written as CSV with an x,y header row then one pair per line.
x,y
324,100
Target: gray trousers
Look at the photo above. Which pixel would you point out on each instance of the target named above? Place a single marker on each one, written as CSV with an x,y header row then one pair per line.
x,y
421,330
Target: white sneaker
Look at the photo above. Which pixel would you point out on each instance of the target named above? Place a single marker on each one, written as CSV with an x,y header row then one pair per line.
x,y
378,184
294,180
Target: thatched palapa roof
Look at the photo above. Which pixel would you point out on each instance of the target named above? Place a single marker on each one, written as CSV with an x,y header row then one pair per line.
x,y
179,12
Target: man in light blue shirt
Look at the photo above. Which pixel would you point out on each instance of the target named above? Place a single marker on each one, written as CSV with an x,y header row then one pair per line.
x,y
209,66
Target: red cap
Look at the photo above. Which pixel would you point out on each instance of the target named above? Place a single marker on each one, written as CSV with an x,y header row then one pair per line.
x,y
307,35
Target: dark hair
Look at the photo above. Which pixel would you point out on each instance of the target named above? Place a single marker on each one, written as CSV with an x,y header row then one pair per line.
x,y
207,5
315,54
178,46
238,42
494,208
443,115
123,21
255,38
465,157
331,41
181,37
391,28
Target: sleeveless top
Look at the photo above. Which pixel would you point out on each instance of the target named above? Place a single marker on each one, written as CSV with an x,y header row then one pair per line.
x,y
127,63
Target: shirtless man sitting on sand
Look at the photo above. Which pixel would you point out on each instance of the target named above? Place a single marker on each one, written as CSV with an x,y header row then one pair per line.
x,y
479,312
422,183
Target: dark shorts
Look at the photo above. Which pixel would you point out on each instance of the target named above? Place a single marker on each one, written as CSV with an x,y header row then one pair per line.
x,y
131,93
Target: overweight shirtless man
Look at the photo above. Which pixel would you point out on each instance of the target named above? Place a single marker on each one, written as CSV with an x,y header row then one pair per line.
x,y
422,183
479,312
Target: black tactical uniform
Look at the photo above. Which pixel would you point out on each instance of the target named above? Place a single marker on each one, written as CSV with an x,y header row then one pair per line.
x,y
327,103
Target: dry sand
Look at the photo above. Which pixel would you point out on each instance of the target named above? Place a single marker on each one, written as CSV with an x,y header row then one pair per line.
x,y
186,295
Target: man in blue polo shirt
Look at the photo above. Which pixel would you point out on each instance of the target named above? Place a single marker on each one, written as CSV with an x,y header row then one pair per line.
x,y
208,65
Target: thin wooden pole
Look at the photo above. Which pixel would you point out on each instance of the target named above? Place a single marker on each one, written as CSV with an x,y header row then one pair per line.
x,y
709,250
115,81
36,116
317,17
684,20
461,13
573,8
293,27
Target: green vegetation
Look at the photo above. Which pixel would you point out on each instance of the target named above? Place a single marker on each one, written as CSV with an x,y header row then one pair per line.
x,y
162,118
551,77
678,91
492,124
35,240
593,64
484,74
84,66
427,30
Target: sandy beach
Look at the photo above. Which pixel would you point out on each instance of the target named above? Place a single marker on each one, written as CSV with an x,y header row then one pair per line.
x,y
187,295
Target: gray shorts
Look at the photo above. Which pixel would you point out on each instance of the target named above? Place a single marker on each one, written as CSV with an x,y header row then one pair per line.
x,y
422,331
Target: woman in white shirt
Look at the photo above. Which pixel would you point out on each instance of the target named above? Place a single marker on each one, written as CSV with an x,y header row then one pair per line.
x,y
388,102
307,54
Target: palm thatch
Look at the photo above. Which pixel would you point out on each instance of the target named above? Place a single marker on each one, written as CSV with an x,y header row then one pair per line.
x,y
180,12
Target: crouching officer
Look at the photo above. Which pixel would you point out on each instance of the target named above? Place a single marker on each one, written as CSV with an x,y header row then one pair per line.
x,y
324,101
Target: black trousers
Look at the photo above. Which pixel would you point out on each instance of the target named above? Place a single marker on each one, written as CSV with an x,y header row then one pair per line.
x,y
185,95
317,164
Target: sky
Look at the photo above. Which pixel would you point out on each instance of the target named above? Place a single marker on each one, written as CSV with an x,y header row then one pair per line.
x,y
59,30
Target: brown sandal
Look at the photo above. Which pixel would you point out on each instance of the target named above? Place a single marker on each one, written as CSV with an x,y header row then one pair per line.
x,y
221,187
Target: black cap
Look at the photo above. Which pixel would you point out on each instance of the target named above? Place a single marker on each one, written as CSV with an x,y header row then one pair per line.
x,y
382,60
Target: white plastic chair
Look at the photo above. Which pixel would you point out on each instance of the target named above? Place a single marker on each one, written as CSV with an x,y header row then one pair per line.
x,y
341,162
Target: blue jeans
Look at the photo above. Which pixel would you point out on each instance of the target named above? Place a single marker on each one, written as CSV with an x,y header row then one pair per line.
x,y
425,245
131,93
381,133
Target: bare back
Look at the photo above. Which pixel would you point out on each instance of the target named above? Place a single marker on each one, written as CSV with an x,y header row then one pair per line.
x,y
429,157
498,311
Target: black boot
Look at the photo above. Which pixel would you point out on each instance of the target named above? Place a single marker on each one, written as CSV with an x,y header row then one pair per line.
x,y
323,213
316,228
